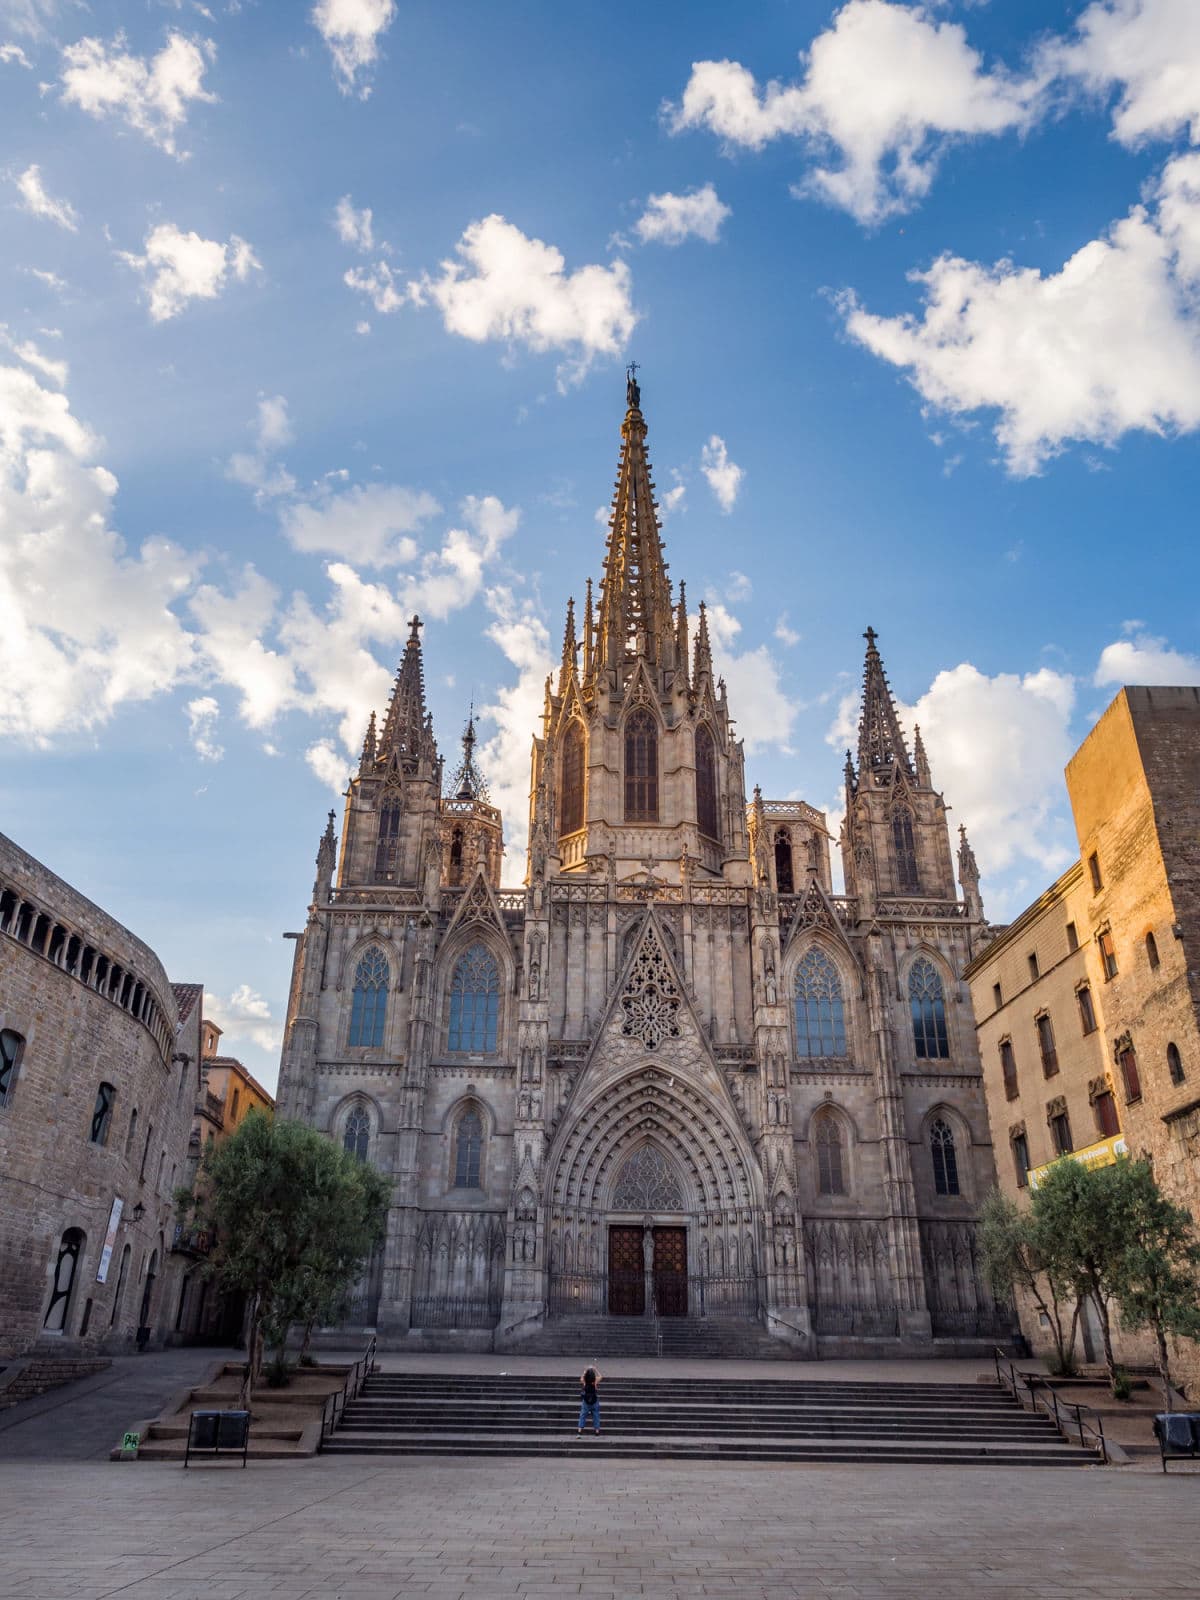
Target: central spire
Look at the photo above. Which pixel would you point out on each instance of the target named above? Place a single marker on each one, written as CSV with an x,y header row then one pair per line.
x,y
405,724
881,746
636,615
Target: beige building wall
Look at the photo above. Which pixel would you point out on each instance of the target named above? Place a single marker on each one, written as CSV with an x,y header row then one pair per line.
x,y
1122,924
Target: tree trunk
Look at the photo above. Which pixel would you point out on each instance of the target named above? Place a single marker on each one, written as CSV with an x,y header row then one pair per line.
x,y
1164,1364
1101,1306
306,1345
252,1336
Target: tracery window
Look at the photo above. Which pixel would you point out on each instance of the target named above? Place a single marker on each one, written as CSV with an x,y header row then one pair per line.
x,y
830,1169
927,1002
820,1010
570,810
785,877
10,1054
66,1267
474,1001
906,852
369,1005
641,768
706,784
357,1135
468,1150
102,1112
945,1159
388,844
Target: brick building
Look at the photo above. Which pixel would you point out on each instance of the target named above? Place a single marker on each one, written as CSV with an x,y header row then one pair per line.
x,y
1088,1004
671,1072
97,1085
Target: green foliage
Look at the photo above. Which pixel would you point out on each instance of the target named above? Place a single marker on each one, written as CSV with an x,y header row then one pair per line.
x,y
1122,1384
1078,1217
295,1219
279,1373
1015,1255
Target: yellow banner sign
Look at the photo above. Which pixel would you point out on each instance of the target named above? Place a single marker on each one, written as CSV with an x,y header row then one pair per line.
x,y
1104,1153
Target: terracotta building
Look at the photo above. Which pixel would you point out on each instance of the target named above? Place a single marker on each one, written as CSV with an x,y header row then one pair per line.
x,y
97,1084
670,1073
1087,1005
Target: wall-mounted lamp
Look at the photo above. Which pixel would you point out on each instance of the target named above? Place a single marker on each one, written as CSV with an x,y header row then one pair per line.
x,y
138,1212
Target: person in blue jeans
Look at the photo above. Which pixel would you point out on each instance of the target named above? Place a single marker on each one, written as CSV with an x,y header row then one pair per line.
x,y
589,1399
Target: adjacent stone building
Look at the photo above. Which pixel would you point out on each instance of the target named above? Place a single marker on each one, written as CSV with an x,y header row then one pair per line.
x,y
97,1086
671,1073
1087,1005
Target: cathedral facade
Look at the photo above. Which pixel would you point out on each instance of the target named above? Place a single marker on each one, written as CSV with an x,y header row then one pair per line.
x,y
672,1074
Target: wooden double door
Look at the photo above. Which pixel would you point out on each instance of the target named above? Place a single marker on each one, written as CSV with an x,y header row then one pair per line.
x,y
627,1270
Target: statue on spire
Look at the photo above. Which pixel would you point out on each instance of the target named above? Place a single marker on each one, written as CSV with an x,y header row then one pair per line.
x,y
633,391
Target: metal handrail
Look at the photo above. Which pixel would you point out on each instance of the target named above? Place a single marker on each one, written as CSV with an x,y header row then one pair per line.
x,y
1010,1376
334,1404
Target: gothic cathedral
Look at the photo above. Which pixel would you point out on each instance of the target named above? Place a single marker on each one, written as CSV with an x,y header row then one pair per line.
x,y
673,1075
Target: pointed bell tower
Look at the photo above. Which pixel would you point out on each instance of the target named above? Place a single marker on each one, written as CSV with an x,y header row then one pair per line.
x,y
471,833
391,823
637,762
895,839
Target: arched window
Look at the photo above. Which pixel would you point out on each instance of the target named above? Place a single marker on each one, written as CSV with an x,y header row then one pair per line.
x,y
468,1149
66,1269
387,849
474,1001
570,806
706,784
456,856
820,1014
830,1168
945,1161
785,877
1174,1063
641,768
130,1132
1151,949
10,1054
358,1133
906,853
369,1006
102,1112
928,1003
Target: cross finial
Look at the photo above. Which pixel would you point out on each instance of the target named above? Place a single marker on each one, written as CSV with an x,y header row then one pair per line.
x,y
870,636
414,626
633,393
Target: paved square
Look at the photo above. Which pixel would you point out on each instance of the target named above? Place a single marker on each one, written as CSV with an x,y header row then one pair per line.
x,y
455,1529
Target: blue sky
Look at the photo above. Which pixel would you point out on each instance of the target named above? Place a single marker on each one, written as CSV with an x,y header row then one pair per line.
x,y
915,308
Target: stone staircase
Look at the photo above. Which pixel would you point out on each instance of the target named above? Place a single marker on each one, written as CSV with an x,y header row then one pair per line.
x,y
725,1419
37,1374
683,1338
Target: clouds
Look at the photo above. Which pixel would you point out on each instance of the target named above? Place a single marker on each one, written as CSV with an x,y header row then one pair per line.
x,y
504,286
354,227
89,626
244,1015
724,476
1148,51
765,712
178,267
1142,658
672,218
352,30
38,203
370,524
151,95
515,710
1107,345
883,89
203,714
273,430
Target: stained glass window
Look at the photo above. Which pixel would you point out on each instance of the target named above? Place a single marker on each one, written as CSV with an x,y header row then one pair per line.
x,y
945,1161
387,848
906,854
571,803
474,1001
820,1013
830,1174
369,1006
706,784
468,1148
641,768
928,1003
358,1133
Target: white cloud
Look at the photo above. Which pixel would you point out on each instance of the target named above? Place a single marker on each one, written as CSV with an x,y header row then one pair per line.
x,y
368,523
524,640
765,712
352,30
50,279
179,267
38,203
203,713
354,227
256,469
672,218
152,96
13,55
245,1015
724,476
329,765
1147,50
997,747
738,587
669,504
379,282
785,634
1145,659
885,88
1107,345
362,329
449,578
28,352
509,287
88,626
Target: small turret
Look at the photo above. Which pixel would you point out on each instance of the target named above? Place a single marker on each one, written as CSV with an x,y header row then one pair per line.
x,y
702,668
326,860
367,759
968,876
920,759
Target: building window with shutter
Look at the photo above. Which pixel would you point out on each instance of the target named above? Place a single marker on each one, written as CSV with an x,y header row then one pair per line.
x,y
1008,1066
1108,954
1127,1061
1087,1012
1020,1150
1045,1033
1107,1120
1060,1133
